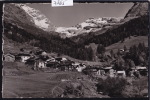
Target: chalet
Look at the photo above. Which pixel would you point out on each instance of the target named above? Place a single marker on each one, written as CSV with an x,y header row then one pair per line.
x,y
142,70
131,73
38,52
120,74
44,57
9,57
121,50
100,72
107,69
75,64
80,67
31,61
39,64
51,60
27,50
23,57
52,64
59,59
64,59
66,65
112,73
95,71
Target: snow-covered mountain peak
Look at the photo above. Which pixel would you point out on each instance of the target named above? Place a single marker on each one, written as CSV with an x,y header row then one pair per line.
x,y
89,25
39,19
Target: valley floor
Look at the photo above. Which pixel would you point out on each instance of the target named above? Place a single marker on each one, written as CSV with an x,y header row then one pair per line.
x,y
22,82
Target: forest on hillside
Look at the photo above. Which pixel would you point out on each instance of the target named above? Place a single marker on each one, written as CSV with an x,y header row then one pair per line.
x,y
53,43
134,27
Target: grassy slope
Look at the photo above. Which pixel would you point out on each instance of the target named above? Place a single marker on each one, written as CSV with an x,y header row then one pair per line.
x,y
39,84
27,85
20,81
128,42
10,46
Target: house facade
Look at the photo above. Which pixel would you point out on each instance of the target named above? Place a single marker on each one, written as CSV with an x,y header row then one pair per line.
x,y
121,74
9,58
112,73
40,64
142,70
100,72
80,67
24,58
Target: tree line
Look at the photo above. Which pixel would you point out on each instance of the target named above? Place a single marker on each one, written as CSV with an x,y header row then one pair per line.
x,y
134,27
51,42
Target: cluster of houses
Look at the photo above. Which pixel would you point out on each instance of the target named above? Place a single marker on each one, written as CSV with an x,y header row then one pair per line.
x,y
99,72
41,60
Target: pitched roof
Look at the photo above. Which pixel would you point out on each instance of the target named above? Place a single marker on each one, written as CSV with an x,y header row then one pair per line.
x,y
107,68
33,58
23,54
9,54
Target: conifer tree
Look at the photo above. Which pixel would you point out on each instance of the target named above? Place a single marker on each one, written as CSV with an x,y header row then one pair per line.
x,y
100,49
125,48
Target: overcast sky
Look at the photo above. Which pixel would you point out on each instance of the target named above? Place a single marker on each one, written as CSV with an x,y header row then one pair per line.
x,y
79,12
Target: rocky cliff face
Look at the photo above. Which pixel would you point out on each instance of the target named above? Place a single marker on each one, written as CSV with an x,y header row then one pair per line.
x,y
17,13
138,9
39,19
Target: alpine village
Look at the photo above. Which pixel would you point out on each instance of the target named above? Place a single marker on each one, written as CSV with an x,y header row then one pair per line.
x,y
99,58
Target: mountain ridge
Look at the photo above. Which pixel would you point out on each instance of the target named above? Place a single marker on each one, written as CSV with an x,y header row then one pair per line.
x,y
39,19
89,25
20,27
91,35
138,9
34,16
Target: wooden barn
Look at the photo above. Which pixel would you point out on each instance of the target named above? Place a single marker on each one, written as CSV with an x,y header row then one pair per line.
x,y
9,57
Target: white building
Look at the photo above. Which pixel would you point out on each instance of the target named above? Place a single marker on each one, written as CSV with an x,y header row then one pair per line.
x,y
80,68
40,64
121,73
24,57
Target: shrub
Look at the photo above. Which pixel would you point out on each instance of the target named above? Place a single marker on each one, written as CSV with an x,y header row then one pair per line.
x,y
112,86
138,88
75,91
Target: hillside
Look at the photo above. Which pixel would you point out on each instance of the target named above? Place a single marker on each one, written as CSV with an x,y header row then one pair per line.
x,y
21,13
21,28
128,43
17,16
89,25
137,26
98,58
135,18
138,9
